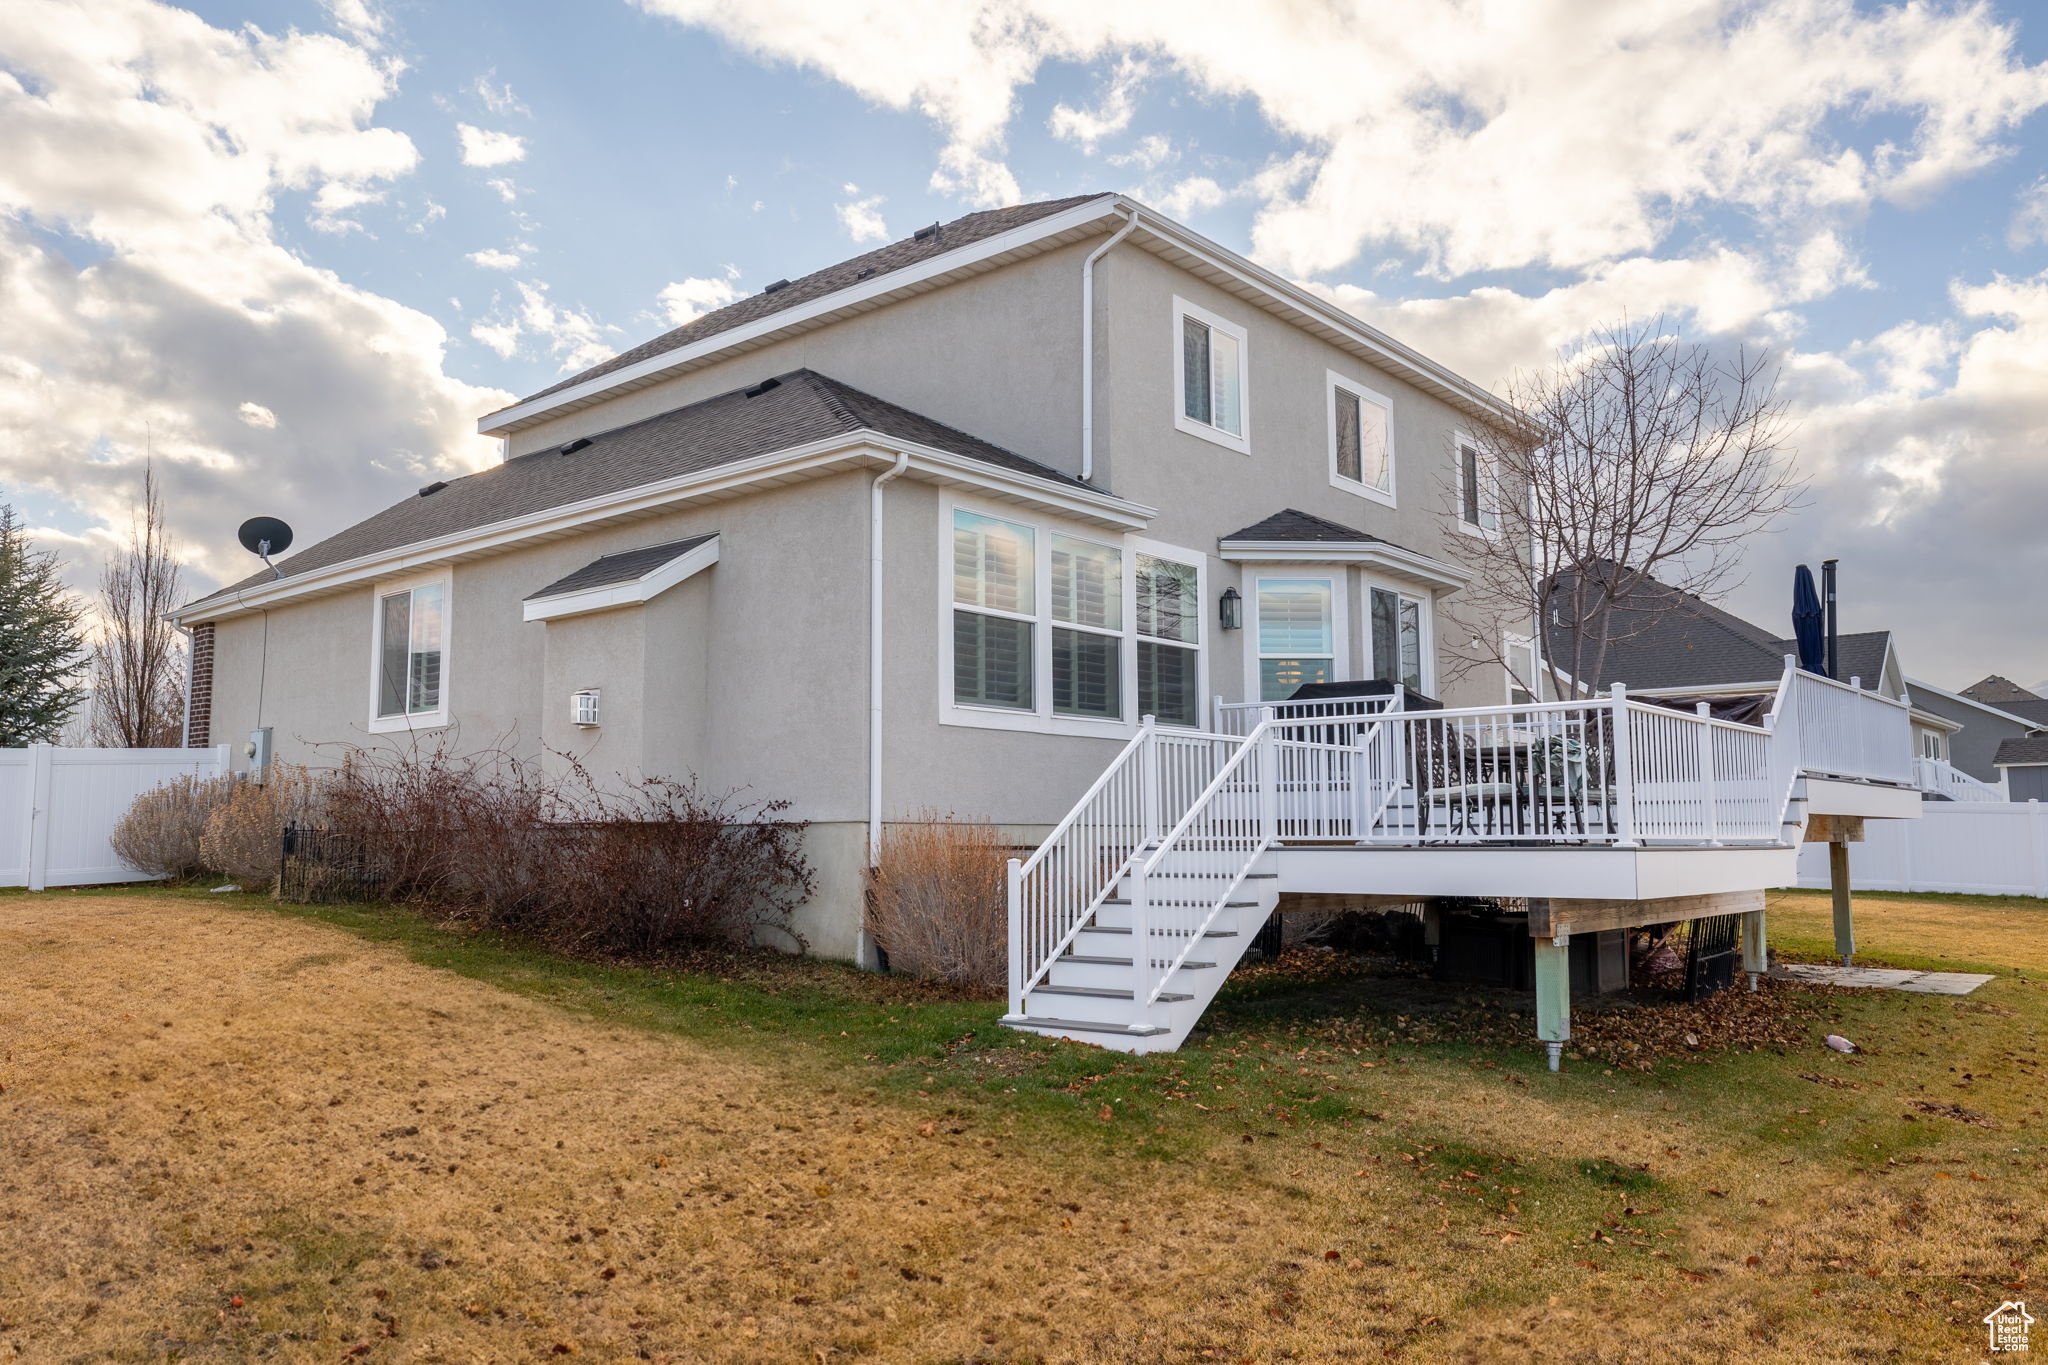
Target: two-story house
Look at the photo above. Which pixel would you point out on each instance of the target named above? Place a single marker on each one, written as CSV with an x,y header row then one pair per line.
x,y
939,527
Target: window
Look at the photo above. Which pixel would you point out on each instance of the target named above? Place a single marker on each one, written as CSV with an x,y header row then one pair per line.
x,y
994,578
1169,622
410,631
1056,631
1087,637
1210,376
1478,510
1296,634
1361,450
1521,659
1397,643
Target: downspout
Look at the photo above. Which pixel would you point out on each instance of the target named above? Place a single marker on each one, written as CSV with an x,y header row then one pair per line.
x,y
875,659
1088,346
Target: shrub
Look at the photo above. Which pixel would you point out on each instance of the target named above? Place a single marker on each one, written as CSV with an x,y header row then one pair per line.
x,y
938,904
161,832
621,868
245,831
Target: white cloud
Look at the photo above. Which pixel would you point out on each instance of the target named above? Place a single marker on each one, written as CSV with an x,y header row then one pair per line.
x,y
686,300
506,189
432,214
334,202
862,218
359,19
160,144
571,335
1476,136
498,98
483,147
492,258
1087,127
2030,219
1192,196
1148,153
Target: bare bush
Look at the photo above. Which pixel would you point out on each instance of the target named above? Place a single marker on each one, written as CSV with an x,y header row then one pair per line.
x,y
938,906
244,833
161,832
641,869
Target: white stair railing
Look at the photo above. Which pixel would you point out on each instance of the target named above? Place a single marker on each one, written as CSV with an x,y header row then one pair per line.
x,y
1055,892
1943,778
1239,717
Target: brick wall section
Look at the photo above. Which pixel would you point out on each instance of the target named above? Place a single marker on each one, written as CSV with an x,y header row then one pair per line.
x,y
200,700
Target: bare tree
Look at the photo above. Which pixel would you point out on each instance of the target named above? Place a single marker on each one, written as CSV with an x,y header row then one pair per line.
x,y
1644,465
138,659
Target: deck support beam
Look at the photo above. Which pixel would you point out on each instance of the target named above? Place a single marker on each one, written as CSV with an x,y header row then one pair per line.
x,y
1756,954
1845,910
1553,992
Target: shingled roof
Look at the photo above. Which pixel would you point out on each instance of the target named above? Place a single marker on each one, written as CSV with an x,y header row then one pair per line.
x,y
929,242
626,566
791,410
2021,752
1669,638
1997,691
1289,526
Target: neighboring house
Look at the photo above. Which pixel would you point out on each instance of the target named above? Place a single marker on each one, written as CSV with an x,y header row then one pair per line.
x,y
2011,698
1667,641
912,533
2024,763
1973,748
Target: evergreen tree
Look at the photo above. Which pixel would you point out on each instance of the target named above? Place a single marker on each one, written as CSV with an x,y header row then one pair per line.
x,y
40,646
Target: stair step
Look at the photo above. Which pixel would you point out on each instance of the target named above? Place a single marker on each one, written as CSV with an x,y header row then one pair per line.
x,y
1105,993
1125,929
1227,905
1036,1023
1217,876
1096,960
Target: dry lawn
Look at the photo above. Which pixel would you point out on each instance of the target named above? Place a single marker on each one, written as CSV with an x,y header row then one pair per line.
x,y
228,1134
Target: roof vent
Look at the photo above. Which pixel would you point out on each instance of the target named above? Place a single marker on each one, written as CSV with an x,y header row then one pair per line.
x,y
763,387
580,443
779,284
434,487
865,272
925,234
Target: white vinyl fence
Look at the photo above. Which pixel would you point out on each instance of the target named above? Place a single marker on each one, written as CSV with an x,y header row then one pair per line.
x,y
58,808
1988,848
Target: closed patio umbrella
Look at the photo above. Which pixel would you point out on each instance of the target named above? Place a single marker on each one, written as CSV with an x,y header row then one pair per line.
x,y
1808,621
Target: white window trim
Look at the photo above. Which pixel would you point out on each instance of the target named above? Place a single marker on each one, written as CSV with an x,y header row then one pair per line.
x,y
422,720
1340,618
1041,719
1242,444
1489,491
1334,382
1425,618
1510,642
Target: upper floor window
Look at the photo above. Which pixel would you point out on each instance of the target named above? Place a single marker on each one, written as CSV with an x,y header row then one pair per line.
x,y
1478,505
1361,440
408,648
1210,376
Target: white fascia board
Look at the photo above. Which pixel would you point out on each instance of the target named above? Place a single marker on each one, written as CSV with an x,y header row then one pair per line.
x,y
1389,559
518,415
852,450
631,593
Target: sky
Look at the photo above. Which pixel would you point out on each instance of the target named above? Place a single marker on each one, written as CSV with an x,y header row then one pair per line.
x,y
291,251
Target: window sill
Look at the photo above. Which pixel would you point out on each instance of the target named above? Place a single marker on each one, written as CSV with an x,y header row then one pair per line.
x,y
396,725
1479,532
1364,490
1031,722
1213,435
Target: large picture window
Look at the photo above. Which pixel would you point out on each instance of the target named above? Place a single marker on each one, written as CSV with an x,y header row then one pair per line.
x,y
1361,449
408,686
1055,630
1296,634
1211,374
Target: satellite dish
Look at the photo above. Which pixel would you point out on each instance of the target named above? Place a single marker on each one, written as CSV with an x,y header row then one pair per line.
x,y
264,537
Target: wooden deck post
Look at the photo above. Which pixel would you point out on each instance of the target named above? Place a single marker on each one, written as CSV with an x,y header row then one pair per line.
x,y
1756,954
1845,914
1553,992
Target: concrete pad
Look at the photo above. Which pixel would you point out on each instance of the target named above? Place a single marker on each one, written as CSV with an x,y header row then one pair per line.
x,y
1882,978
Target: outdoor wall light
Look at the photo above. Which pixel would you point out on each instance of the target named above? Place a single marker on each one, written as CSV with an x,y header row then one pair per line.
x,y
1230,610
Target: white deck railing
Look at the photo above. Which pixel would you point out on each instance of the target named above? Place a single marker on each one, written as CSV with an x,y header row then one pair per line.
x,y
1143,793
1241,717
1943,778
1846,730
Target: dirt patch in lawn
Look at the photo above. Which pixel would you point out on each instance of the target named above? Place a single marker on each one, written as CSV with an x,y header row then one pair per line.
x,y
226,1134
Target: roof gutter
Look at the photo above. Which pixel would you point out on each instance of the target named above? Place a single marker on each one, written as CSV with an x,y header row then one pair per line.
x,y
1088,344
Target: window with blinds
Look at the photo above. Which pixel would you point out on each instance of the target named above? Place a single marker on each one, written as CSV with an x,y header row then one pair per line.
x,y
1168,610
1296,634
1361,453
994,594
410,630
1087,633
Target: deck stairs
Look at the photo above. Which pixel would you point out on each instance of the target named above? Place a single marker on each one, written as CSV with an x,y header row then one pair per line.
x,y
1127,920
